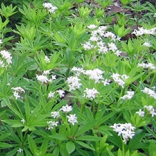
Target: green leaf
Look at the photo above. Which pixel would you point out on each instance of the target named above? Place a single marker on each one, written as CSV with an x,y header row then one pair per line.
x,y
32,145
88,138
136,139
85,145
44,146
85,128
59,137
70,146
152,148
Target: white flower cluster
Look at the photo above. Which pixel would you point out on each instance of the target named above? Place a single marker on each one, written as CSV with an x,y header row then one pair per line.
x,y
72,118
96,40
51,8
52,124
128,96
125,130
20,150
60,93
6,58
73,83
141,31
95,74
150,92
17,92
150,109
44,77
147,65
90,93
119,79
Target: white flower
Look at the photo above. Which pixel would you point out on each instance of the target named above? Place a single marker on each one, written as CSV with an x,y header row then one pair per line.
x,y
150,92
125,130
73,83
61,93
147,65
110,34
140,113
112,47
46,72
42,78
20,150
119,79
50,7
55,114
1,41
51,95
18,89
95,74
23,121
92,26
128,96
87,45
77,71
7,56
53,77
52,124
90,93
72,119
46,59
66,109
151,110
147,44
106,82
16,94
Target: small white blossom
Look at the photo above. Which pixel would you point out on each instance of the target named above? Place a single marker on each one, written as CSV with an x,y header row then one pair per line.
x,y
18,89
53,77
140,113
61,93
51,95
125,130
73,83
128,96
46,72
23,121
55,114
52,124
66,109
150,92
90,93
50,7
72,119
147,44
147,65
1,41
92,26
106,82
77,71
87,45
46,59
7,56
95,74
20,150
16,94
151,110
42,78
112,47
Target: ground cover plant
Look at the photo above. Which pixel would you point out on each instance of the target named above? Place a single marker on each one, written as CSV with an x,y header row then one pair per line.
x,y
77,78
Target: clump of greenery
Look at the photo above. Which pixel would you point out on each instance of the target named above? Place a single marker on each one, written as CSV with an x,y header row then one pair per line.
x,y
77,78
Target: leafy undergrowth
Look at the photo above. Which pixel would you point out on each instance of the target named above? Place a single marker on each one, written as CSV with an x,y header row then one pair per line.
x,y
78,78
